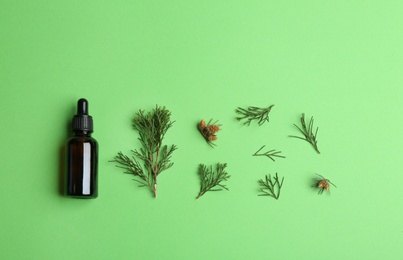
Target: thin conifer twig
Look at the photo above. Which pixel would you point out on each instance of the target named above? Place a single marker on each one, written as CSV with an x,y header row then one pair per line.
x,y
271,188
308,133
253,113
270,154
211,179
155,156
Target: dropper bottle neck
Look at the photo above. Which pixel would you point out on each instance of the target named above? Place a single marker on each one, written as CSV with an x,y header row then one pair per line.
x,y
79,133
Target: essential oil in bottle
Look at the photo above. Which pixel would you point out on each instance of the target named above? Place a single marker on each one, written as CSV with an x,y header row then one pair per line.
x,y
82,156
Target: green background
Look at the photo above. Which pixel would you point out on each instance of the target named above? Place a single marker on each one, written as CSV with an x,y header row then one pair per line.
x,y
339,61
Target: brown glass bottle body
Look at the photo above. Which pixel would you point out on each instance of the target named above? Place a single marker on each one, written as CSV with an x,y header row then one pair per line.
x,y
82,166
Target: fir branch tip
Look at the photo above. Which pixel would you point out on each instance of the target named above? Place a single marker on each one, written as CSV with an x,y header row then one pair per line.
x,y
270,154
252,113
307,132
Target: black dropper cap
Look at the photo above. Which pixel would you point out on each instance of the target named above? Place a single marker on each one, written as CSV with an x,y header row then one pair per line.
x,y
82,121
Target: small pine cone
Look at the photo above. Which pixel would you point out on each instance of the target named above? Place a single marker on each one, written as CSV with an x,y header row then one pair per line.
x,y
204,132
212,129
202,124
323,185
212,138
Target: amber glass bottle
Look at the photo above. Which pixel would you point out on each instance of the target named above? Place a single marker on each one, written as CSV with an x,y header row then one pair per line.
x,y
82,156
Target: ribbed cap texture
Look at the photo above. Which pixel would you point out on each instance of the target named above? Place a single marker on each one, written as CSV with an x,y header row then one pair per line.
x,y
82,123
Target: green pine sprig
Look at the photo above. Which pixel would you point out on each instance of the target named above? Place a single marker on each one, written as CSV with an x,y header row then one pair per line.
x,y
153,155
307,131
211,180
270,154
253,113
271,188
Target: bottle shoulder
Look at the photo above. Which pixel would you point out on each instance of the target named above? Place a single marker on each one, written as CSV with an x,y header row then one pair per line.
x,y
82,139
